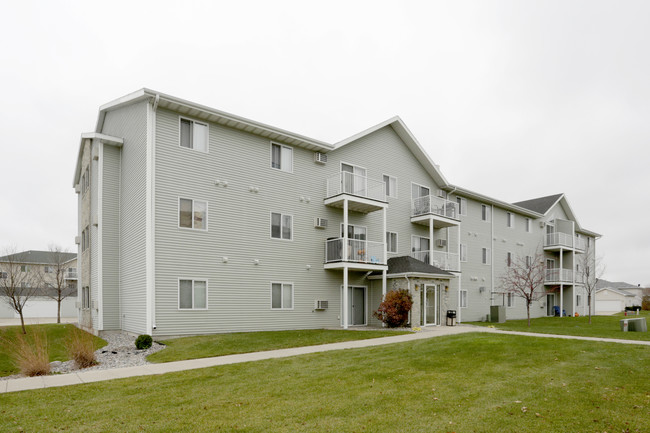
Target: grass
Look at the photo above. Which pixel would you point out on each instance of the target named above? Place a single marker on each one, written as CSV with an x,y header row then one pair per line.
x,y
601,326
206,346
463,383
56,337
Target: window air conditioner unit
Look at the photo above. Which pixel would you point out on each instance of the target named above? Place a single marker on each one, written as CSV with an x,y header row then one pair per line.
x,y
321,305
320,158
77,240
441,194
320,223
441,242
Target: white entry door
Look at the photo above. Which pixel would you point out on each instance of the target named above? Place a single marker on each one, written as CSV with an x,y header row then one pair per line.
x,y
431,304
356,305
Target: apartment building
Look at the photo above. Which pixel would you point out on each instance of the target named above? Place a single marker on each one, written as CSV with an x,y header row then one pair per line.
x,y
40,270
195,221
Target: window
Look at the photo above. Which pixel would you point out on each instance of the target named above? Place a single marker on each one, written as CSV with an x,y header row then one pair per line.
x,y
528,225
391,186
463,252
194,135
588,242
85,239
462,205
355,232
192,214
282,157
509,258
3,275
486,256
85,297
391,242
463,299
48,270
486,213
282,296
578,300
418,191
192,295
510,299
281,226
24,268
420,248
85,181
510,220
529,261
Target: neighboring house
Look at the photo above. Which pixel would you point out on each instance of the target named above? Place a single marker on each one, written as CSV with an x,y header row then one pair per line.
x,y
42,265
195,221
610,300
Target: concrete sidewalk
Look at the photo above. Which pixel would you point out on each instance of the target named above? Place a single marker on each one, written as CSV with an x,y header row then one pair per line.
x,y
80,377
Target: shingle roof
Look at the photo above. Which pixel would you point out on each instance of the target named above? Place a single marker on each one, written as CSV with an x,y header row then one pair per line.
x,y
37,257
407,264
541,204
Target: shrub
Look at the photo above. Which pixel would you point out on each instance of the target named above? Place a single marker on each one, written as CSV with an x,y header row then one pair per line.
x,y
394,309
143,341
30,354
81,348
645,304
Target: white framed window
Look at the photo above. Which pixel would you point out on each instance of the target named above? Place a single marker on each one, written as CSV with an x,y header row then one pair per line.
x,y
510,220
462,205
192,214
281,226
85,297
418,191
486,256
529,225
578,300
24,268
192,294
463,299
85,239
391,242
3,275
509,259
281,296
588,242
463,252
85,181
282,157
193,135
391,186
529,261
420,248
356,232
510,299
486,213
48,269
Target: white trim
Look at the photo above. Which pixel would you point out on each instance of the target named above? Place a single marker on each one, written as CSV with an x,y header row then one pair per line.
x,y
271,226
200,122
271,143
460,299
396,188
462,206
488,213
178,293
100,229
365,303
510,220
178,214
282,283
353,165
423,186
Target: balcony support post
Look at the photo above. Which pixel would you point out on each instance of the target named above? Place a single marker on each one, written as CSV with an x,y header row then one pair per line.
x,y
385,260
431,241
345,297
345,230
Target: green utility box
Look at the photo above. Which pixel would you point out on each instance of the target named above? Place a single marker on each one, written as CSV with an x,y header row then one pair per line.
x,y
497,314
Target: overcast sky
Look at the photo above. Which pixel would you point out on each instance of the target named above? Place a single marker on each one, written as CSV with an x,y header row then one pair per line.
x,y
514,99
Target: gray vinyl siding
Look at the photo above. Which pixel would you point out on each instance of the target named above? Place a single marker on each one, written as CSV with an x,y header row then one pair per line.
x,y
130,123
110,237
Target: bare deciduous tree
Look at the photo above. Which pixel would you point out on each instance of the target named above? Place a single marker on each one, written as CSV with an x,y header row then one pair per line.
x,y
524,278
18,281
55,280
590,270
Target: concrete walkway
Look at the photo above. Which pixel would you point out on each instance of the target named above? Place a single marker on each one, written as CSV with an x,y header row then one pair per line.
x,y
76,378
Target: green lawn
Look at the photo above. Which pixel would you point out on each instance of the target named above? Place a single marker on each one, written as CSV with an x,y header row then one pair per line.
x,y
56,335
463,383
227,344
601,326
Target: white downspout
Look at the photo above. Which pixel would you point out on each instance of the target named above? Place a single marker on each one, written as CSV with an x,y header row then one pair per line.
x,y
492,255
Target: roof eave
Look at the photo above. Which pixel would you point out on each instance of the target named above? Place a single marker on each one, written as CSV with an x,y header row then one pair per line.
x,y
458,190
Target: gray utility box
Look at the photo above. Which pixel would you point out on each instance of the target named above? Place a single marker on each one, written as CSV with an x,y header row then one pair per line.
x,y
497,314
638,324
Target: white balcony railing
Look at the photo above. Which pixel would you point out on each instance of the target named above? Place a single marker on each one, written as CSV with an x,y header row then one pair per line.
x,y
559,239
440,259
559,275
430,204
354,184
359,251
70,275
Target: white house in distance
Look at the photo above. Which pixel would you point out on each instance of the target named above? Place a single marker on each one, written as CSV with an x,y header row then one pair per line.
x,y
195,221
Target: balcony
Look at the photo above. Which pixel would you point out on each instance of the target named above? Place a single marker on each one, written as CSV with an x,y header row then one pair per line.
x,y
361,254
70,275
363,194
440,259
557,240
557,276
442,212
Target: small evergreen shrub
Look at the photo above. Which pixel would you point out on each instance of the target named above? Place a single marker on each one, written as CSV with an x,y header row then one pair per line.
x,y
143,341
394,309
81,348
